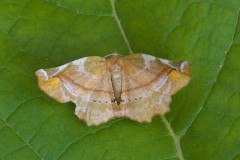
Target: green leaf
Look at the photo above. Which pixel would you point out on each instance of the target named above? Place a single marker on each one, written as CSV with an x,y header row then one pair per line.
x,y
204,119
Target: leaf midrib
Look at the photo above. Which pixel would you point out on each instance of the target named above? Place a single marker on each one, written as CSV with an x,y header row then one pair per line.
x,y
165,121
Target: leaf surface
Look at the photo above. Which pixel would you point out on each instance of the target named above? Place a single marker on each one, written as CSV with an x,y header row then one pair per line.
x,y
204,119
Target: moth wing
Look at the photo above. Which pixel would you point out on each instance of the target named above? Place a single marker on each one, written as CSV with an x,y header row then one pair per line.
x,y
148,84
157,74
140,103
97,106
72,80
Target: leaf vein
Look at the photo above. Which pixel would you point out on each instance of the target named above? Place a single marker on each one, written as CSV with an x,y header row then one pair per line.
x,y
214,83
175,138
8,125
76,11
20,105
88,134
115,15
168,126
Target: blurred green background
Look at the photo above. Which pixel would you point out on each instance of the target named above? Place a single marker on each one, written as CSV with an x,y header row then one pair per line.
x,y
204,117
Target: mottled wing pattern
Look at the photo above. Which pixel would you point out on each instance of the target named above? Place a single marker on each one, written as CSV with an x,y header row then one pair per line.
x,y
72,80
157,74
97,107
148,84
140,103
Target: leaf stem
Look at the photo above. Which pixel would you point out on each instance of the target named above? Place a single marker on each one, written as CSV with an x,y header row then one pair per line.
x,y
175,138
114,14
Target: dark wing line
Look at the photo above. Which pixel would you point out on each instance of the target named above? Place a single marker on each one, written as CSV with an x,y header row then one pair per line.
x,y
150,82
84,88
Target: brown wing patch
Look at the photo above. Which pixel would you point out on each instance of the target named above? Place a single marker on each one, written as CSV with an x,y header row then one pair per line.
x,y
72,80
140,103
97,107
157,74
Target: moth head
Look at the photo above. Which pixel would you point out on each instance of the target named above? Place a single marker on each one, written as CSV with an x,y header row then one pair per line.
x,y
114,61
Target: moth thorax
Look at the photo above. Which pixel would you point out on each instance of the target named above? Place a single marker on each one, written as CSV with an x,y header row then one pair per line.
x,y
117,82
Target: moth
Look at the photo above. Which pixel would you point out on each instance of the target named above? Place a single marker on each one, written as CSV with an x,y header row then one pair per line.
x,y
137,86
